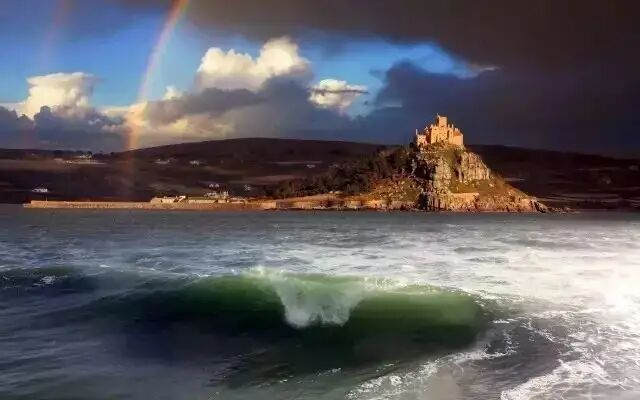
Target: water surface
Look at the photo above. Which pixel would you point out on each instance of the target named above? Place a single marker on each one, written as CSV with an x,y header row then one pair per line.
x,y
326,305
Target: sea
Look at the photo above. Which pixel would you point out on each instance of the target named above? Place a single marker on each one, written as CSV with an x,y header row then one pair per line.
x,y
118,304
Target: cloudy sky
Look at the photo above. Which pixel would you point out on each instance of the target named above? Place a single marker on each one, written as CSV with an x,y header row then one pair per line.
x,y
116,74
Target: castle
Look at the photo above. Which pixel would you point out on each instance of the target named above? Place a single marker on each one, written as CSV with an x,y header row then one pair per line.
x,y
440,132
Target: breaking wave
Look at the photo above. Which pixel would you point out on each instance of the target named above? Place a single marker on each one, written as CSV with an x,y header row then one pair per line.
x,y
300,300
307,321
264,299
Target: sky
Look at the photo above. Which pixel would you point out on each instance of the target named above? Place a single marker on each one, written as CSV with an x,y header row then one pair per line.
x,y
112,75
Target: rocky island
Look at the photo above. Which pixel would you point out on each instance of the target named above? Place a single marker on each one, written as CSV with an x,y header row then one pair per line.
x,y
453,178
434,173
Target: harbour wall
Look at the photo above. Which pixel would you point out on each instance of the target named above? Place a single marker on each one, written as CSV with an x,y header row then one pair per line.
x,y
127,205
257,205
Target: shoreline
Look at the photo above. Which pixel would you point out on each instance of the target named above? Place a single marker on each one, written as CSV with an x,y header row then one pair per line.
x,y
256,205
280,205
263,205
133,205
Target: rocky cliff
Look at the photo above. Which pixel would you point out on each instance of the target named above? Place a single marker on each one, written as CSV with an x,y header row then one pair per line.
x,y
451,178
427,175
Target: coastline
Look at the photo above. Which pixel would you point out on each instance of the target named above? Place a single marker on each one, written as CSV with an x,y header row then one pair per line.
x,y
132,205
251,207
255,205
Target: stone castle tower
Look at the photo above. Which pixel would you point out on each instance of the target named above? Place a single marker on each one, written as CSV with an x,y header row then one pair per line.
x,y
440,132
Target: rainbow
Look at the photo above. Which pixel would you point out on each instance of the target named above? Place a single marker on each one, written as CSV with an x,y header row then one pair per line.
x,y
55,31
176,11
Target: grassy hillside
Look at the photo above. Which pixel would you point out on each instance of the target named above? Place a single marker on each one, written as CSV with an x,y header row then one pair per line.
x,y
189,168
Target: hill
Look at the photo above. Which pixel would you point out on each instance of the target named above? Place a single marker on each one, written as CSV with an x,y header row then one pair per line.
x,y
557,179
440,176
242,166
561,179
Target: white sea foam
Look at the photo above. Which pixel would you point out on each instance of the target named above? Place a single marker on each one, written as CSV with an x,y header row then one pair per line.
x,y
419,381
572,278
310,300
48,280
570,380
307,303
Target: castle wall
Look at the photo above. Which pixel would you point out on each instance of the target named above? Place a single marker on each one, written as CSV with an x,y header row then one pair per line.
x,y
457,140
440,132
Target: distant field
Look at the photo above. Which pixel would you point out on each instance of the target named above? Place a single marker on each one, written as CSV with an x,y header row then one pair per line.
x,y
191,168
559,179
35,165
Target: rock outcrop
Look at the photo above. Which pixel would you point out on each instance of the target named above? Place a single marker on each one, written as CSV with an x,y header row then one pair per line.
x,y
436,173
455,179
471,168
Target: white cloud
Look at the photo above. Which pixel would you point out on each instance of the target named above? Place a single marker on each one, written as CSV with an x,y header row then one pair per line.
x,y
234,95
232,70
332,93
58,114
16,106
70,91
171,92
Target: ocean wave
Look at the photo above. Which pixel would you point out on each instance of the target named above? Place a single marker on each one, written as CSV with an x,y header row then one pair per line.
x,y
298,300
25,278
305,323
306,301
263,321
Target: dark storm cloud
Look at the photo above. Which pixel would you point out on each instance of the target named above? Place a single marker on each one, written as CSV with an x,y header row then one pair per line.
x,y
13,128
567,71
86,131
9,120
210,101
338,91
54,130
286,111
565,110
279,108
502,32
